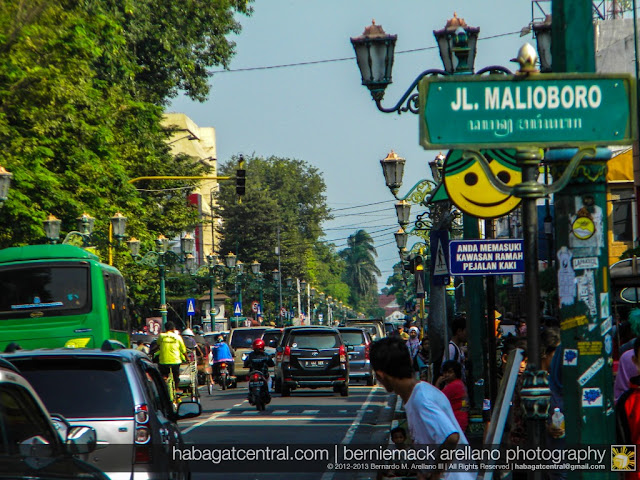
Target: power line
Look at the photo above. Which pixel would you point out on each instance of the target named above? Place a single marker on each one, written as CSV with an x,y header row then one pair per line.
x,y
344,59
360,206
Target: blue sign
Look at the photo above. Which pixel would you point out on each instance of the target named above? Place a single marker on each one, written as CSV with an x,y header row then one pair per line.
x,y
486,257
191,306
237,309
439,240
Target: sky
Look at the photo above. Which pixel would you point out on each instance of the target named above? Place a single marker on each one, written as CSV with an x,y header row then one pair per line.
x,y
320,113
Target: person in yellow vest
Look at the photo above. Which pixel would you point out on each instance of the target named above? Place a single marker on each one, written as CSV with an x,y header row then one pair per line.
x,y
171,352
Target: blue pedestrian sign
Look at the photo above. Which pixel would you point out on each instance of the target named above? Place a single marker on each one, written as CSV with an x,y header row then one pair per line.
x,y
191,307
487,257
237,309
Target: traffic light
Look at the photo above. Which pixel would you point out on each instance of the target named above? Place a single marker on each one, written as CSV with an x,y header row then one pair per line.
x,y
409,263
241,177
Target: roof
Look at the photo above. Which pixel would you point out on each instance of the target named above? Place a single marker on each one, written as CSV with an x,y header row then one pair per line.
x,y
127,353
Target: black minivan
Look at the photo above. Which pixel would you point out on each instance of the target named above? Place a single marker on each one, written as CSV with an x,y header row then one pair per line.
x,y
313,357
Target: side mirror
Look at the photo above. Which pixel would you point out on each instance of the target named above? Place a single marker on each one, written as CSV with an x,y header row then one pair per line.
x,y
81,439
273,343
189,410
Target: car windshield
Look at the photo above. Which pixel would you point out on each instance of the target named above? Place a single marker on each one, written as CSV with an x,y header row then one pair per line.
x,y
353,338
244,338
80,387
315,340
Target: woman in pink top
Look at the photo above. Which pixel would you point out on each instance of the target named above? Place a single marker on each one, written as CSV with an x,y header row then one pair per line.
x,y
455,390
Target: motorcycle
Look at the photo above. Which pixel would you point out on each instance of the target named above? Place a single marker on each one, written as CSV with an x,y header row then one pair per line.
x,y
223,378
258,393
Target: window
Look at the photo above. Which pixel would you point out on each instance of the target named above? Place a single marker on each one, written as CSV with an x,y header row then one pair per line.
x,y
622,214
315,341
116,298
52,289
353,338
244,338
21,418
83,387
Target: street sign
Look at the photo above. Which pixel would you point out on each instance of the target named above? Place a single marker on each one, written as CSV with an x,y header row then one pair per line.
x,y
237,309
439,262
486,257
547,110
254,306
191,306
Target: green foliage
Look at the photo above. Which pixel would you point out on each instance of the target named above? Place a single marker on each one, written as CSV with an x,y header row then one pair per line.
x,y
360,269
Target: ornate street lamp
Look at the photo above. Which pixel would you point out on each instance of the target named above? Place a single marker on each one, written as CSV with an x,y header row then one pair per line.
x,y
134,246
403,212
374,53
52,229
230,260
5,183
118,226
401,239
85,224
255,267
457,44
393,170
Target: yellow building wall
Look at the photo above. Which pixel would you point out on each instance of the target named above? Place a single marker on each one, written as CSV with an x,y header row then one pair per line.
x,y
619,175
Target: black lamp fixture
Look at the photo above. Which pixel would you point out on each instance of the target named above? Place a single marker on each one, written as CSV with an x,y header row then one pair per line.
x,y
457,44
401,239
403,211
255,267
52,228
542,32
374,53
393,170
230,260
5,182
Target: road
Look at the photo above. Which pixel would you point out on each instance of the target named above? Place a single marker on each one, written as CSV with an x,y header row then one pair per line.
x,y
317,418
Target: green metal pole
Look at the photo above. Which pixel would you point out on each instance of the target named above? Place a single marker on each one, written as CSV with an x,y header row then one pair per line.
x,y
261,304
212,283
239,293
163,300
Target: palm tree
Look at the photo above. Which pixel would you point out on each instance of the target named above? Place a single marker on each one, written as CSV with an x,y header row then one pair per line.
x,y
360,266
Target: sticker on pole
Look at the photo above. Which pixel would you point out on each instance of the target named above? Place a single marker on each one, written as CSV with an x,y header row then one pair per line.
x,y
237,309
191,306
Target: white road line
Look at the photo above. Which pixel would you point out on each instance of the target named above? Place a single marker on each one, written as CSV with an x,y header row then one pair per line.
x,y
211,417
348,437
279,412
310,412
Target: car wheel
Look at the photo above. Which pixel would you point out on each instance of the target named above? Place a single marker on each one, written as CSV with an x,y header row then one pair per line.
x,y
285,390
344,390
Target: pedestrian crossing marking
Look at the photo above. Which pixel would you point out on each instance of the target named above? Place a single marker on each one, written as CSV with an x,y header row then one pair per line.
x,y
310,412
441,262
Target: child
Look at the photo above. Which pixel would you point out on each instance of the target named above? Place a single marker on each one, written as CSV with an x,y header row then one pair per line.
x,y
399,439
455,390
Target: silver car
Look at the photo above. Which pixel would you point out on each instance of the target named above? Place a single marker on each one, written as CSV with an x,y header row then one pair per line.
x,y
123,396
359,363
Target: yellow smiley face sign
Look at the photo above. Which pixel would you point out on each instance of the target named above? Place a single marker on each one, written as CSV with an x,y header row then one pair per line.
x,y
469,188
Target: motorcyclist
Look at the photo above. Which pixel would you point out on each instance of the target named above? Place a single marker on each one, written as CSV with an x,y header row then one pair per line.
x,y
171,352
260,360
221,352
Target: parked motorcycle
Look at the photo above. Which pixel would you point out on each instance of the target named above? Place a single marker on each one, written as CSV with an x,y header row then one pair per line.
x,y
258,392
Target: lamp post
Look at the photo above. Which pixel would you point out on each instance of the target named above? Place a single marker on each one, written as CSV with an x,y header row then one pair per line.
x,y
162,258
289,284
303,291
85,231
275,275
234,264
5,183
255,269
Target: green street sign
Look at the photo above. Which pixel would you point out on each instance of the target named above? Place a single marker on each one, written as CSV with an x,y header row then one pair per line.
x,y
543,110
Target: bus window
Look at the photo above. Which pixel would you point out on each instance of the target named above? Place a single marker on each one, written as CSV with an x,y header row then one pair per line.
x,y
116,298
53,290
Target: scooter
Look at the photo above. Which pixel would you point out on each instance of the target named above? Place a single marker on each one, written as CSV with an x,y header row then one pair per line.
x,y
258,393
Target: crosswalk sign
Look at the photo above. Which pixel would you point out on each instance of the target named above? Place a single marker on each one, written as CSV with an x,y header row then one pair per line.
x,y
237,309
191,306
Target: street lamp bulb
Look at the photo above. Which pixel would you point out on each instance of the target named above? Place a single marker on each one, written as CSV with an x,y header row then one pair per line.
x,y
187,243
189,262
276,275
403,211
239,267
374,54
289,282
401,238
255,267
162,244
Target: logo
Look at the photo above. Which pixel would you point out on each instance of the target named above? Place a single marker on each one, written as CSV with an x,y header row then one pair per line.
x,y
623,458
314,354
36,314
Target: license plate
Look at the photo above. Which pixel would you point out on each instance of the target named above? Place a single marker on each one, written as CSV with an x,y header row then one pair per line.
x,y
255,384
314,363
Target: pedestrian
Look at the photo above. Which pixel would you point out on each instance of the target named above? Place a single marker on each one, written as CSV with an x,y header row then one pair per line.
x,y
413,343
451,384
142,347
172,352
422,361
429,414
628,412
402,334
456,344
399,439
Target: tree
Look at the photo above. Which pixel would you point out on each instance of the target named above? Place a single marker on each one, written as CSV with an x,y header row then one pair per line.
x,y
360,268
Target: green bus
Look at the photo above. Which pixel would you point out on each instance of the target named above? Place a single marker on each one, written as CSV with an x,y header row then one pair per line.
x,y
60,295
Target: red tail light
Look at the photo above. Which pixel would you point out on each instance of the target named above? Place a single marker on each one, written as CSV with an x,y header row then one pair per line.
x,y
287,354
255,377
343,354
366,352
223,365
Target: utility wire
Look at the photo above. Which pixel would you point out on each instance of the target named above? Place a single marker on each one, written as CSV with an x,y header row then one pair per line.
x,y
344,59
